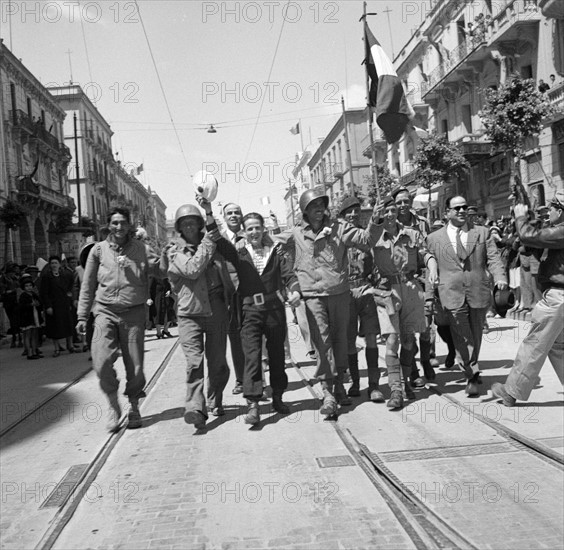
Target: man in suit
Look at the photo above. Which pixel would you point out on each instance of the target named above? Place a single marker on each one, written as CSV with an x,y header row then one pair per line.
x,y
465,254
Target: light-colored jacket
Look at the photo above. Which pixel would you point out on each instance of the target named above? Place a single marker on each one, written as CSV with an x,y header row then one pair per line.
x,y
185,266
469,280
116,277
320,259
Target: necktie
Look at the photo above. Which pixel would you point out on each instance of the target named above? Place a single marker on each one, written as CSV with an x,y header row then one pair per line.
x,y
460,250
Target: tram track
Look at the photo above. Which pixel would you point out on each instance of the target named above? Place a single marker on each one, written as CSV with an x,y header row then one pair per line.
x,y
72,500
43,403
425,528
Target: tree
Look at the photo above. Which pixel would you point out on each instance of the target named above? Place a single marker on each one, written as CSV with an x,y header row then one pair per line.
x,y
385,182
512,114
436,161
63,219
12,215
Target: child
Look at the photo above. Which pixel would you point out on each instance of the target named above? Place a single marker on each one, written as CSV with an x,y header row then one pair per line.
x,y
31,318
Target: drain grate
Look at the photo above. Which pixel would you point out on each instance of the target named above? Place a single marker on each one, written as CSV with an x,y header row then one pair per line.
x,y
65,487
335,461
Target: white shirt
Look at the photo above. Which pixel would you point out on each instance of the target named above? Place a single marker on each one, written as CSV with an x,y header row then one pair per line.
x,y
452,230
231,236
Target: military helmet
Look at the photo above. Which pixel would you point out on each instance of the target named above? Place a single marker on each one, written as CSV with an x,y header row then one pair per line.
x,y
311,195
188,210
347,203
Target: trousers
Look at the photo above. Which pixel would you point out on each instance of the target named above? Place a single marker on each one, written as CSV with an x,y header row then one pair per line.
x,y
272,324
113,331
545,339
328,318
192,332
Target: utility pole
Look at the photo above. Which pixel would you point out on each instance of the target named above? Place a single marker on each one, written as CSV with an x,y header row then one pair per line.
x,y
369,107
347,143
77,169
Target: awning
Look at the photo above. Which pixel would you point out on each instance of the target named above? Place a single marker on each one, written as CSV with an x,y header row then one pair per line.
x,y
421,201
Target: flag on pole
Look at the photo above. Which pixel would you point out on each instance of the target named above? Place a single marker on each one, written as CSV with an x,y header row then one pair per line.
x,y
295,130
386,95
140,169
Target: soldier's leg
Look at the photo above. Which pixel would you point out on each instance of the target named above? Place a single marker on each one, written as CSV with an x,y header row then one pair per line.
x,y
216,329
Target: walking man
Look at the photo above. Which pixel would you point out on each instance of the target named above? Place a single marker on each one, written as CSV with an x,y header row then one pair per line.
x,y
200,277
399,254
465,254
264,275
546,335
318,247
115,288
232,216
363,309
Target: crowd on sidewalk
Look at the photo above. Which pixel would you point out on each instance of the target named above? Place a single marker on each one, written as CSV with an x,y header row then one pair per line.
x,y
398,281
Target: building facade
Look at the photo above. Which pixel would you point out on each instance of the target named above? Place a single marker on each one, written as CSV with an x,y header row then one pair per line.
x,y
463,48
34,161
329,166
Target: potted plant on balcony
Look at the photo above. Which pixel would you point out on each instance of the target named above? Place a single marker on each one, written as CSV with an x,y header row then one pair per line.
x,y
436,161
511,115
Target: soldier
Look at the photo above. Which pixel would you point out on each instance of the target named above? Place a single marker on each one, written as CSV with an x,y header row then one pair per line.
x,y
399,254
115,288
201,279
408,218
318,247
363,308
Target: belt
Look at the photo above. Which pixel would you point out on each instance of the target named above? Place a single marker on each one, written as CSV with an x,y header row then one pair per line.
x,y
260,299
400,278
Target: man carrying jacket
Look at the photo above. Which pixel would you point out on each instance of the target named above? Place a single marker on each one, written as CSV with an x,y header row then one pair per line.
x,y
546,336
200,278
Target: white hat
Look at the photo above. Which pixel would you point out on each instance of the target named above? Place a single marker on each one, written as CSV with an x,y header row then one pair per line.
x,y
205,184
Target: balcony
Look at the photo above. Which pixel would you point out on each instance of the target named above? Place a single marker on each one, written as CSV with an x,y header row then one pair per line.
x,y
463,52
556,97
29,191
511,21
35,129
473,148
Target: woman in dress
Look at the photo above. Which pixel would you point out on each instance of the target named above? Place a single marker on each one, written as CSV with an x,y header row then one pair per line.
x,y
56,297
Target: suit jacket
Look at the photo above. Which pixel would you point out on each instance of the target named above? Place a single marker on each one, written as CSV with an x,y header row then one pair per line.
x,y
470,280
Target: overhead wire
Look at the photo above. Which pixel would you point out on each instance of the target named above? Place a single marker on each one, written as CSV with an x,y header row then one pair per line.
x,y
162,88
264,95
94,99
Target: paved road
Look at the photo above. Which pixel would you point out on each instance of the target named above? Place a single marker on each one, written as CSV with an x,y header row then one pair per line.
x,y
233,487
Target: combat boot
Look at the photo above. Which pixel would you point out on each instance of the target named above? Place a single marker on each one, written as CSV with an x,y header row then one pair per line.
x,y
134,416
114,413
396,400
253,415
278,405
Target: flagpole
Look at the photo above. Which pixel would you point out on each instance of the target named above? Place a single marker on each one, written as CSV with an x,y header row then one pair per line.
x,y
369,110
347,143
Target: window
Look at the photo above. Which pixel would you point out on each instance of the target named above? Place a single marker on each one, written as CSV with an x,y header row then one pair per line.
x,y
467,118
527,71
29,109
444,127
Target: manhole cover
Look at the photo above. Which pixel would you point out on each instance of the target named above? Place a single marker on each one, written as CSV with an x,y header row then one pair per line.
x,y
65,487
335,461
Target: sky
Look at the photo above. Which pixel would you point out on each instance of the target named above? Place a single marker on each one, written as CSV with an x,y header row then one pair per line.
x,y
160,72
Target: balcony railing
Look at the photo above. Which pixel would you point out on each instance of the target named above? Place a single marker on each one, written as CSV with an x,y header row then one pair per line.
x,y
455,58
556,96
34,128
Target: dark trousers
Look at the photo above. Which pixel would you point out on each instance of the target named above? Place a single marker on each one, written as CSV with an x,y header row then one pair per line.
x,y
272,324
467,327
191,332
237,354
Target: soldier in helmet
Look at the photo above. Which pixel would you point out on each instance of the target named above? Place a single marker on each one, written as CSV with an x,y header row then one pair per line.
x,y
318,248
200,277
